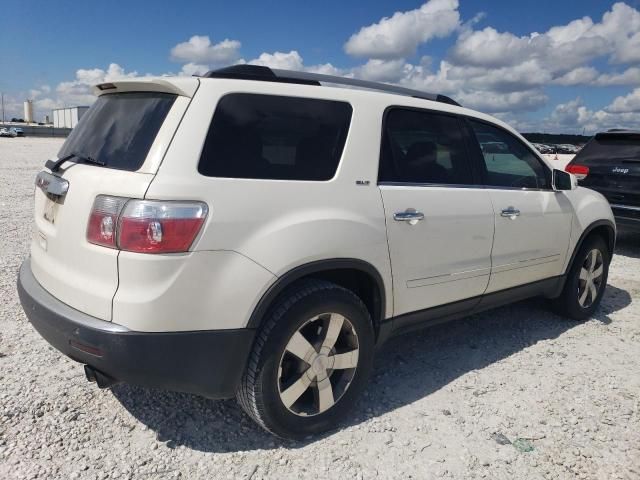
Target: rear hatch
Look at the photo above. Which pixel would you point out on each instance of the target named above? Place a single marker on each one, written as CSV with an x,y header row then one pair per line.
x,y
613,162
115,150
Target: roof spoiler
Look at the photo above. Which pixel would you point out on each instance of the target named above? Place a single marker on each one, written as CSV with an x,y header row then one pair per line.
x,y
266,74
618,133
185,87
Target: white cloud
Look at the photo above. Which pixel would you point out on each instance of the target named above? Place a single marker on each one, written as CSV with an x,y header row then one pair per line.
x,y
485,69
627,104
563,53
381,70
199,50
630,76
192,68
288,61
575,116
621,26
572,113
399,35
492,102
490,48
76,92
328,69
577,76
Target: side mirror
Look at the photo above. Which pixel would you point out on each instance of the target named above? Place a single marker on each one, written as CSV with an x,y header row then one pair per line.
x,y
562,180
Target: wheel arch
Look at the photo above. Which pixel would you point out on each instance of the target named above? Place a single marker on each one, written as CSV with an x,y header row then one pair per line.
x,y
356,275
604,228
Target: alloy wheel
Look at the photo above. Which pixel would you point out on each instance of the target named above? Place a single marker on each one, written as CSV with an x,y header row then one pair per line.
x,y
590,279
318,364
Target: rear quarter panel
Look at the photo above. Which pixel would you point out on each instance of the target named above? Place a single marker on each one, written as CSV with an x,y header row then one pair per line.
x,y
279,224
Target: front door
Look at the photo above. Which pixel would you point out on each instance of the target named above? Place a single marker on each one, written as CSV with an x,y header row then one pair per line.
x,y
440,223
533,222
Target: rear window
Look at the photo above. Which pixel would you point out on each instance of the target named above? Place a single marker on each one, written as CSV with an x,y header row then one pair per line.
x,y
119,128
275,137
609,148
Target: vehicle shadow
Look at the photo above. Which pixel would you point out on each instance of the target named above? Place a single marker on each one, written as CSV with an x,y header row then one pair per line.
x,y
407,368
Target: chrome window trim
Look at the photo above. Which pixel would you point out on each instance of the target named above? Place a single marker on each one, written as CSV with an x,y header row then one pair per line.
x,y
438,185
450,185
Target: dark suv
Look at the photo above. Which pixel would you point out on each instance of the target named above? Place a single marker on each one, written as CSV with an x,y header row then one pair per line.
x,y
610,164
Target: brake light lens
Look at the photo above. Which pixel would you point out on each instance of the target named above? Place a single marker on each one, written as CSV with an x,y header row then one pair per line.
x,y
149,226
103,220
580,171
145,226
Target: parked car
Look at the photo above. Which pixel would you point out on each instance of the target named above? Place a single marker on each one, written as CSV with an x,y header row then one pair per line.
x,y
566,149
253,233
542,148
610,164
19,131
7,132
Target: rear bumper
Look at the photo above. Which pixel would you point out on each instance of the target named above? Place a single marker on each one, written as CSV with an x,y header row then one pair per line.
x,y
208,362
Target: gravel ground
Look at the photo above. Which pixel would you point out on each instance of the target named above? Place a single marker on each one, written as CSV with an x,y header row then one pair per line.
x,y
513,393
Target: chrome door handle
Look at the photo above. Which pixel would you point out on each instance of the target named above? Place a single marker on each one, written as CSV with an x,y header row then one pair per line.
x,y
410,216
510,212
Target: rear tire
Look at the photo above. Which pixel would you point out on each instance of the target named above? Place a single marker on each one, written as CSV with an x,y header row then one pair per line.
x,y
586,280
310,361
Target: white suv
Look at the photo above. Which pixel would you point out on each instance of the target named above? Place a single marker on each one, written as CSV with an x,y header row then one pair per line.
x,y
255,233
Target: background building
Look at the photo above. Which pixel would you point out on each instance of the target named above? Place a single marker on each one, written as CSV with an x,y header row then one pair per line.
x,y
68,117
28,111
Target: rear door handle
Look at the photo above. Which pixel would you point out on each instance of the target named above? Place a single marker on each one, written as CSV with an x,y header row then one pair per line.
x,y
409,215
510,212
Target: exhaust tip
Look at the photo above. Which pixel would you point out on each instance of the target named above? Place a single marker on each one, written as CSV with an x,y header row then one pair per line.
x,y
101,379
90,373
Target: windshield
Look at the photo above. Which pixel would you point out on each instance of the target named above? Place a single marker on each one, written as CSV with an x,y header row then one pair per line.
x,y
118,130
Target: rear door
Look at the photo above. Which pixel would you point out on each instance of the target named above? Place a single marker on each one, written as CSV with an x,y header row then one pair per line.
x,y
532,222
124,133
439,220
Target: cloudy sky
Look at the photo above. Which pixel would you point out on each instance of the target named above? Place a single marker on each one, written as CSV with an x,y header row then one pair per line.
x,y
555,66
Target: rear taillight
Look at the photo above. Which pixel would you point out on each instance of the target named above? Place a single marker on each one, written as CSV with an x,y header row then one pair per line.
x,y
149,226
580,171
103,220
145,226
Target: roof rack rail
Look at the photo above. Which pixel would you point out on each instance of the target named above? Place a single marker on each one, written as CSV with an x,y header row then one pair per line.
x,y
266,74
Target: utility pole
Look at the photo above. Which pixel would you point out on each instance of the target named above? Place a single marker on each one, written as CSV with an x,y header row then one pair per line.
x,y
2,95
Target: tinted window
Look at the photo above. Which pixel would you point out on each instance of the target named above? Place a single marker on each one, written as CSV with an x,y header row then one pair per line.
x,y
608,148
423,147
275,137
508,162
119,128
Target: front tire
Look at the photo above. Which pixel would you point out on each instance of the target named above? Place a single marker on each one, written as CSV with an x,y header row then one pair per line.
x,y
586,280
311,359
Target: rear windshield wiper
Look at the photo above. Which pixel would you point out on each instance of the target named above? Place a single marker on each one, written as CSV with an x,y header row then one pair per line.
x,y
54,165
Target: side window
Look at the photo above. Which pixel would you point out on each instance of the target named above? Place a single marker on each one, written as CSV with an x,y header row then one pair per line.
x,y
423,147
508,162
275,137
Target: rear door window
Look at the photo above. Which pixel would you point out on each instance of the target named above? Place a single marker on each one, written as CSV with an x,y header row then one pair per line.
x,y
275,137
119,129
